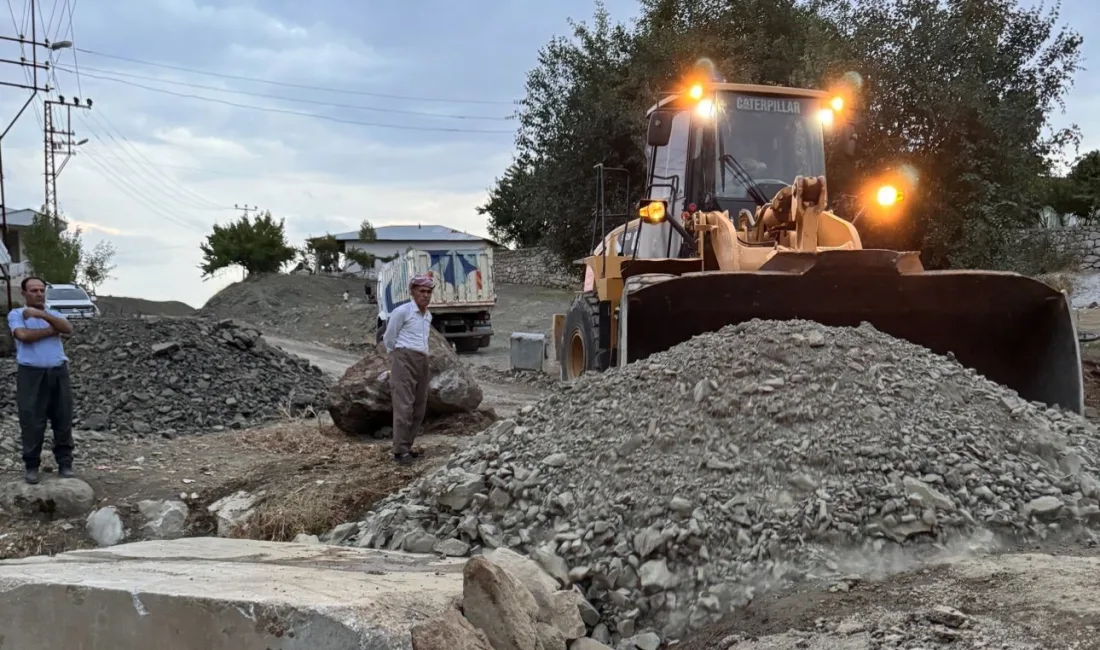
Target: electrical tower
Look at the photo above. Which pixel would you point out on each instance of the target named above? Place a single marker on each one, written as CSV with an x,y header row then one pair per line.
x,y
30,68
59,141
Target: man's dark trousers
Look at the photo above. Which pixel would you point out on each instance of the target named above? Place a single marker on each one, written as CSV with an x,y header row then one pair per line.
x,y
45,394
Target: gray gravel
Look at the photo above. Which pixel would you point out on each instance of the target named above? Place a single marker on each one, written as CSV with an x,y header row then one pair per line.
x,y
767,453
166,376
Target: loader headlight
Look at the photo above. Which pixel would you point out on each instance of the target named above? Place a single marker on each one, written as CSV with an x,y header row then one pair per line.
x,y
705,109
887,195
653,211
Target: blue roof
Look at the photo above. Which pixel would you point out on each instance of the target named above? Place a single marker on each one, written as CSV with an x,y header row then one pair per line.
x,y
415,233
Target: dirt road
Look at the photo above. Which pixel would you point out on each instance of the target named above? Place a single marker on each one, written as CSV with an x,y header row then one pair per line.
x,y
521,309
1013,601
505,399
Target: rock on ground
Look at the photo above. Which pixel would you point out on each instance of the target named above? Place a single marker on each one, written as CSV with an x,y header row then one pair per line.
x,y
154,376
508,603
233,511
360,402
682,486
449,632
68,497
163,519
105,527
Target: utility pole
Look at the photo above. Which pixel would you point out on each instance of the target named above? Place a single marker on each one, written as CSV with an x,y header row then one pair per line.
x,y
56,141
245,209
34,66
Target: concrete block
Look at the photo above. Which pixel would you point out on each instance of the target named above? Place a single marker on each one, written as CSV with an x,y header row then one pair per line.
x,y
222,594
527,351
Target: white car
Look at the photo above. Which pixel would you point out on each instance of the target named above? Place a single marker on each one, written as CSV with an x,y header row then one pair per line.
x,y
72,301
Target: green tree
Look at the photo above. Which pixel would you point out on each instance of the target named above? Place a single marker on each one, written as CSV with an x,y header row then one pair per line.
x,y
322,253
367,232
1078,192
580,109
514,217
54,252
961,93
257,246
361,257
96,266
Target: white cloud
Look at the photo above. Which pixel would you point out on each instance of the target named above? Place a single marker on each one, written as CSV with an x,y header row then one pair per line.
x,y
159,171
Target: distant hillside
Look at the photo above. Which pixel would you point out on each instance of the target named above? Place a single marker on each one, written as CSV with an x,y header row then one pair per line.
x,y
120,306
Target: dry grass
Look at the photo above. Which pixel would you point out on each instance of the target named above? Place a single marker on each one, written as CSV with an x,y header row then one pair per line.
x,y
318,478
1060,280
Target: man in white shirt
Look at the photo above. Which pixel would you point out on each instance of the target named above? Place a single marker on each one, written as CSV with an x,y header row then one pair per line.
x,y
406,339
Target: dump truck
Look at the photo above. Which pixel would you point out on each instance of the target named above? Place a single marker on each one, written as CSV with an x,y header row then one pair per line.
x,y
463,299
735,224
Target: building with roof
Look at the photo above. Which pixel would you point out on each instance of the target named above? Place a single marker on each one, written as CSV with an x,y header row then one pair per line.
x,y
397,240
18,221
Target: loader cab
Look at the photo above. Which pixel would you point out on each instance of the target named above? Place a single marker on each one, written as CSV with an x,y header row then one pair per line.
x,y
774,133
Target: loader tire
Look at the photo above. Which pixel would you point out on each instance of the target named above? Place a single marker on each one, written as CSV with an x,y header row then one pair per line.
x,y
580,351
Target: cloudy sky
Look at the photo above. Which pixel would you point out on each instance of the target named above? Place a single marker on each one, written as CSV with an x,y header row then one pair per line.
x,y
405,116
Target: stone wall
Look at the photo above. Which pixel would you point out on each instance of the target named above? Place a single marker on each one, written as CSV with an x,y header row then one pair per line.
x,y
1082,243
532,266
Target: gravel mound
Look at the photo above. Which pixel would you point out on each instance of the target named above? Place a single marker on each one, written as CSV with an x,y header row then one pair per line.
x,y
767,453
178,375
300,307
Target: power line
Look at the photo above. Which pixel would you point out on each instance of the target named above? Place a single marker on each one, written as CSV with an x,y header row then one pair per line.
x,y
269,109
204,170
69,33
315,102
134,193
194,199
300,86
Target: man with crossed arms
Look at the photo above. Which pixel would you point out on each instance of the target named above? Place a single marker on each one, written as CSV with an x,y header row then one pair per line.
x,y
42,388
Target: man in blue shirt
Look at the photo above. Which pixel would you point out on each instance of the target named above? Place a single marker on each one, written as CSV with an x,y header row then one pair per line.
x,y
42,388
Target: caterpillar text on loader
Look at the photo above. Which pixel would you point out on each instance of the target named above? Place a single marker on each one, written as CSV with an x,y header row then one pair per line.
x,y
709,248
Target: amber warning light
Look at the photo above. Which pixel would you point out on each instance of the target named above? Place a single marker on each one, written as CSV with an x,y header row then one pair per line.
x,y
652,211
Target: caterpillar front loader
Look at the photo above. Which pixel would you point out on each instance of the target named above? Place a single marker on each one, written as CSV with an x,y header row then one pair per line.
x,y
735,226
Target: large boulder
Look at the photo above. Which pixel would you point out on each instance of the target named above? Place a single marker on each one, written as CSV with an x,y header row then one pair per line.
x,y
360,402
63,498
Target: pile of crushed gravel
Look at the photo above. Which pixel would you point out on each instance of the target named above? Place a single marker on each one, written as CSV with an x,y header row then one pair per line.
x,y
165,376
678,487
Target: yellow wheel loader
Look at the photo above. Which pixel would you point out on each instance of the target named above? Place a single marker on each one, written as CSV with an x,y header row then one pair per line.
x,y
724,236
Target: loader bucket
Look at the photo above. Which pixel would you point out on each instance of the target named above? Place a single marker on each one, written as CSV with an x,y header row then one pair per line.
x,y
1014,330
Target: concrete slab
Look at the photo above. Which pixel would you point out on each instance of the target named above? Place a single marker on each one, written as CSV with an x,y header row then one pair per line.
x,y
221,594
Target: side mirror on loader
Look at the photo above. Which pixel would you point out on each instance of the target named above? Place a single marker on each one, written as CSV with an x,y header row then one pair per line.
x,y
660,128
